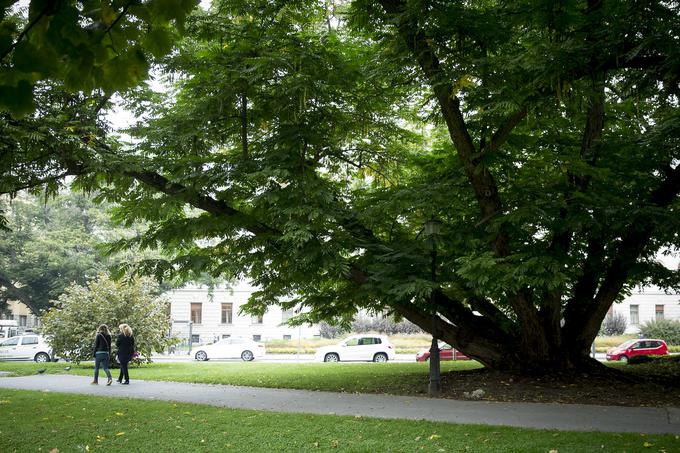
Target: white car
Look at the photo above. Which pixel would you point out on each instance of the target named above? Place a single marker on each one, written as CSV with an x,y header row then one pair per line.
x,y
370,348
26,347
231,348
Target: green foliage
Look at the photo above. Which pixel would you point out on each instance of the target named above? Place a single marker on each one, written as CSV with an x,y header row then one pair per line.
x,y
53,243
72,323
664,329
85,44
48,246
305,150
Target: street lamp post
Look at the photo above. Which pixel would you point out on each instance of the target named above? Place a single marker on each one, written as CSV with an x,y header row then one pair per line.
x,y
432,229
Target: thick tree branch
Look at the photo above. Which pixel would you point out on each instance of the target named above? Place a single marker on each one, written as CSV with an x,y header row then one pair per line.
x,y
503,132
244,125
586,324
483,183
203,202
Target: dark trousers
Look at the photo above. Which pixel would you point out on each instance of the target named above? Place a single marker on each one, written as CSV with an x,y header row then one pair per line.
x,y
101,359
124,376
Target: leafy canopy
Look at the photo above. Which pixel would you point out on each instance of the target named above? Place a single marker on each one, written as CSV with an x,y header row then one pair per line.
x,y
86,44
305,147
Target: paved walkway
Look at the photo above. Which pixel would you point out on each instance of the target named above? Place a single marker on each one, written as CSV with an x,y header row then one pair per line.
x,y
530,415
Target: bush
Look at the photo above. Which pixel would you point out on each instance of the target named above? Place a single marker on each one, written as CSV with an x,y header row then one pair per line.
x,y
71,324
664,329
614,324
327,330
385,325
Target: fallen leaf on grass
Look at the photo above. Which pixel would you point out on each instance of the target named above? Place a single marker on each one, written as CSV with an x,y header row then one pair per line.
x,y
120,434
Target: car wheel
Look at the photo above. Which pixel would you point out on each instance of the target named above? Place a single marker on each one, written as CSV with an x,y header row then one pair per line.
x,y
331,357
623,358
247,356
42,357
380,357
202,356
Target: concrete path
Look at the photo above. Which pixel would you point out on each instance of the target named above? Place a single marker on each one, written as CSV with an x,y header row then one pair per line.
x,y
530,415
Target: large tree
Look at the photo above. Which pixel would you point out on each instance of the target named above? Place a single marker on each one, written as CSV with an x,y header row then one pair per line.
x,y
53,243
307,155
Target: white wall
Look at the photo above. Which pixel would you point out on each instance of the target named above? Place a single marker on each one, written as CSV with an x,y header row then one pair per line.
x,y
242,325
647,299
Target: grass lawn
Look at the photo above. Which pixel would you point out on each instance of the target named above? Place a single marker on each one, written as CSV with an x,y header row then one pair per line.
x,y
392,378
50,422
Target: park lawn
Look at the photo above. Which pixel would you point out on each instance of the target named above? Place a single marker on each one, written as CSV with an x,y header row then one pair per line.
x,y
391,378
42,421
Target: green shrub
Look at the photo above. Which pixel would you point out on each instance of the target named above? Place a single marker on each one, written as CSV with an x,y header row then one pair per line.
x,y
614,324
70,325
664,329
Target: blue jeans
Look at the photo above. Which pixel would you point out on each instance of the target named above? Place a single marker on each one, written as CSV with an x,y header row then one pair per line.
x,y
101,358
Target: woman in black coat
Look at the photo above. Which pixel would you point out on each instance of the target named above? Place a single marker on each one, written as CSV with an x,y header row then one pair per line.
x,y
126,347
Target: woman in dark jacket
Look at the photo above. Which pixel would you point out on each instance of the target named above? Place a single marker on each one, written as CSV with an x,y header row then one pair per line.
x,y
102,351
126,347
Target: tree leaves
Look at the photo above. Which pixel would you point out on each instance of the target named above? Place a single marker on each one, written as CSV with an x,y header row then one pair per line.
x,y
103,44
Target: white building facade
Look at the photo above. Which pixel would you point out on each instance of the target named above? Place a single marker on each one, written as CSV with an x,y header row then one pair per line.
x,y
648,304
211,315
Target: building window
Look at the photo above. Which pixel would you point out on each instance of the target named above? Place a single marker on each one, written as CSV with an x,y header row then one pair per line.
x,y
257,319
287,337
227,310
23,320
286,315
634,315
257,337
225,336
659,312
195,338
196,312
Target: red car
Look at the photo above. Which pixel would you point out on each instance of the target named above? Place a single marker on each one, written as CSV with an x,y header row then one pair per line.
x,y
446,352
640,346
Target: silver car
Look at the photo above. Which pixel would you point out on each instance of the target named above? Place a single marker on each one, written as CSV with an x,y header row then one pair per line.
x,y
25,347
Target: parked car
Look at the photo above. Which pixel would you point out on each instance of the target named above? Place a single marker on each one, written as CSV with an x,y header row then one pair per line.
x,y
446,352
369,348
26,347
231,348
640,346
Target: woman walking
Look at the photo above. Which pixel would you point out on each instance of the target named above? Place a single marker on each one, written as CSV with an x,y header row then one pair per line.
x,y
126,347
102,351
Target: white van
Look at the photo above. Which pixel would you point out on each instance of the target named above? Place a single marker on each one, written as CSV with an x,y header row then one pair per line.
x,y
8,328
